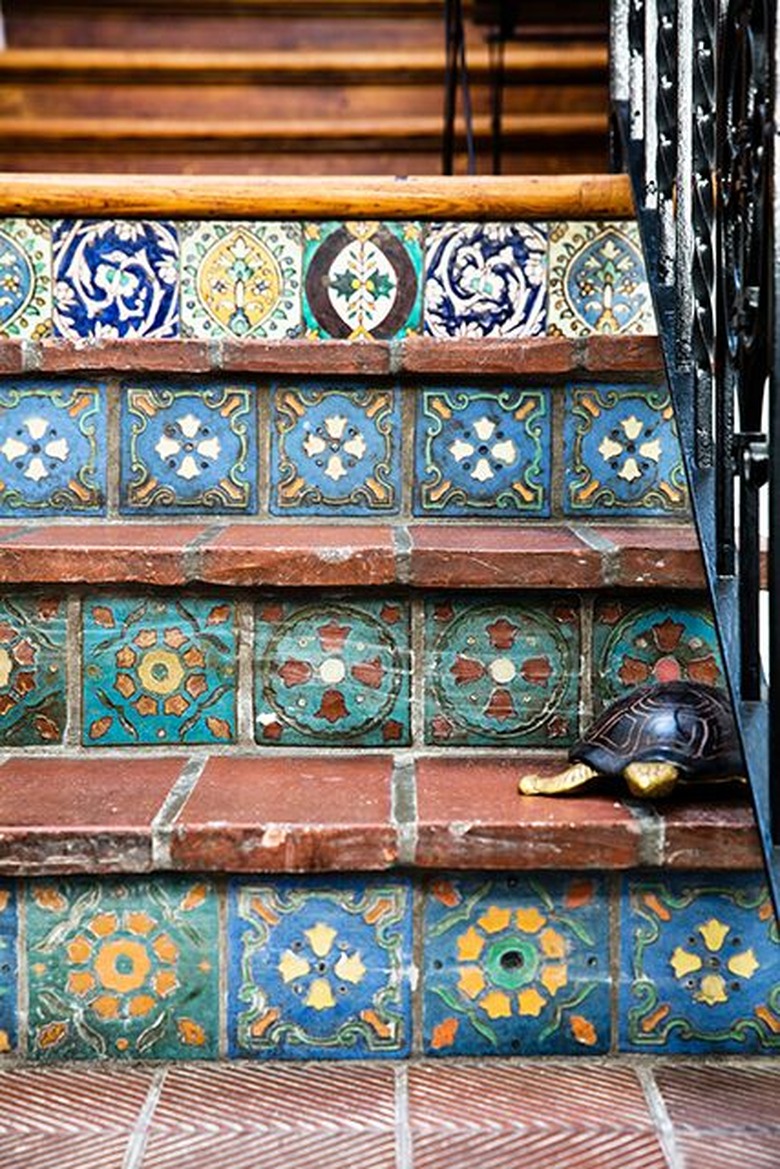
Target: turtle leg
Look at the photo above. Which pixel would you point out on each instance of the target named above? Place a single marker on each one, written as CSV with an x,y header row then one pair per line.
x,y
553,785
650,780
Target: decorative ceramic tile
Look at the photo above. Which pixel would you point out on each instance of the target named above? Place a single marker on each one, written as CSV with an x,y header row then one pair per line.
x,y
159,671
7,969
656,640
32,670
486,280
501,670
332,672
115,278
319,967
701,964
240,279
362,280
123,968
191,449
598,282
621,452
52,449
482,451
335,449
25,279
516,965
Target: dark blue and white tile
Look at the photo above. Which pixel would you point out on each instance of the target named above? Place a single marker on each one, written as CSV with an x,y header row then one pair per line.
x,y
8,969
25,279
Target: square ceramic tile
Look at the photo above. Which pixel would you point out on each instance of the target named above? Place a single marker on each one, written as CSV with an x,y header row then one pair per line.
x,y
159,670
8,969
123,968
332,672
501,669
622,454
32,670
516,965
486,280
240,280
52,449
701,964
115,278
482,452
318,968
25,279
335,449
362,280
598,282
192,449
638,642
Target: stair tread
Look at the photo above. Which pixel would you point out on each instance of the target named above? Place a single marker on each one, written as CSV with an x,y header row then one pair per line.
x,y
277,811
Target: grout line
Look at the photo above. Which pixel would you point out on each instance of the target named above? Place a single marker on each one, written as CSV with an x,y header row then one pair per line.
x,y
587,664
407,445
190,555
245,728
614,910
162,825
660,1116
222,889
136,1146
22,970
404,807
417,665
652,832
610,553
403,1136
114,391
402,546
73,668
265,389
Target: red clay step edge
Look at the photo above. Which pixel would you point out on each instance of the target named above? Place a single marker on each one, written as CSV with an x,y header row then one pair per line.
x,y
272,812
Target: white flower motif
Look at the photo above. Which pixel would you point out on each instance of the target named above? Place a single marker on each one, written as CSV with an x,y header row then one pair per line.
x,y
34,450
489,452
181,446
612,449
333,440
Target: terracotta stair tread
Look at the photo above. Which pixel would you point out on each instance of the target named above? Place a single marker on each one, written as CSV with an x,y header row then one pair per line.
x,y
280,812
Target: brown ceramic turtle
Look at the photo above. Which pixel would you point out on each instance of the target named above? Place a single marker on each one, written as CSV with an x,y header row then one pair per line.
x,y
654,738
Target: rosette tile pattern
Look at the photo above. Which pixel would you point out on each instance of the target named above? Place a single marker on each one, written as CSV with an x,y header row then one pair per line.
x,y
482,452
240,279
701,956
159,671
597,282
319,968
486,280
122,969
332,672
115,279
192,449
501,670
32,670
658,640
362,280
335,450
516,965
25,279
8,969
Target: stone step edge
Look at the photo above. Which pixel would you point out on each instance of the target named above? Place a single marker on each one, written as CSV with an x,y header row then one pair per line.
x,y
297,812
431,554
548,356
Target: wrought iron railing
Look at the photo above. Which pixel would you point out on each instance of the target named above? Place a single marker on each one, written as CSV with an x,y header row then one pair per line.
x,y
695,109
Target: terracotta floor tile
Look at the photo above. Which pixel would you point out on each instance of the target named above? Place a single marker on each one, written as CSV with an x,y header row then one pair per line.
x,y
720,834
466,555
302,1150
717,1099
539,1148
98,553
744,1150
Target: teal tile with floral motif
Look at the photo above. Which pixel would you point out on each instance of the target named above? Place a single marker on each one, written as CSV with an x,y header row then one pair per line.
x,y
32,670
123,968
25,279
700,960
159,670
320,968
516,965
8,969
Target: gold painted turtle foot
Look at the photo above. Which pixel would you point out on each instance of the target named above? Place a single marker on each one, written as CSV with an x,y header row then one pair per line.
x,y
651,780
569,780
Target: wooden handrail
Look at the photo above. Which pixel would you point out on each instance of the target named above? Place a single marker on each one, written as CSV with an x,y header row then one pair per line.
x,y
517,197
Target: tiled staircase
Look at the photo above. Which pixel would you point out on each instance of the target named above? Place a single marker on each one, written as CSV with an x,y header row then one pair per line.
x,y
317,531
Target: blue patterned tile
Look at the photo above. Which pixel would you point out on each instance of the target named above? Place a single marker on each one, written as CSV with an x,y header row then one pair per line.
x,y
192,449
52,449
25,279
362,280
332,672
319,968
159,671
598,282
241,279
501,670
516,965
621,452
701,965
8,969
486,280
123,968
115,278
32,670
335,450
636,642
482,452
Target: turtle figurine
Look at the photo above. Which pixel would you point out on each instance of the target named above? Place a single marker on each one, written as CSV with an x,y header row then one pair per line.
x,y
654,737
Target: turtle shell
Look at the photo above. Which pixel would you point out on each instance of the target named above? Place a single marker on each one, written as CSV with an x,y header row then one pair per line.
x,y
685,723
